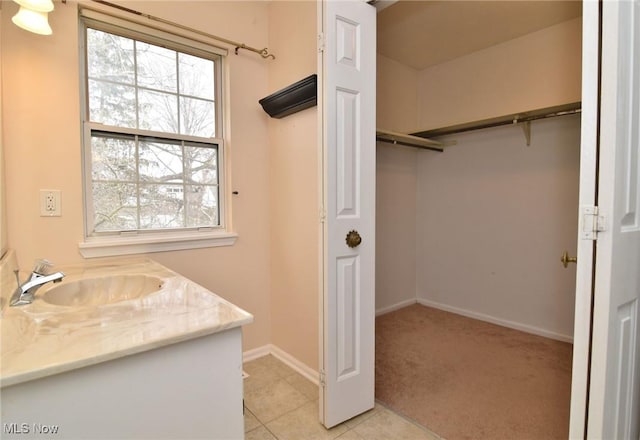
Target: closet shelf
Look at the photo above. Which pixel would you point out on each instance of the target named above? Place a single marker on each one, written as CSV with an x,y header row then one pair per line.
x,y
422,139
525,117
409,141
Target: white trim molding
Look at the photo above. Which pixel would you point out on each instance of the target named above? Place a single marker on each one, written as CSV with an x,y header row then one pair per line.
x,y
289,360
498,321
397,306
256,353
94,247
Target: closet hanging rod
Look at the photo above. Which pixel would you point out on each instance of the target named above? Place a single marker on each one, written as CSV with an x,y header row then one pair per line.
x,y
408,140
264,53
551,112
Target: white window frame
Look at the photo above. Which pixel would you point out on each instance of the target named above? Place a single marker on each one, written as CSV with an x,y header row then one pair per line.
x,y
141,241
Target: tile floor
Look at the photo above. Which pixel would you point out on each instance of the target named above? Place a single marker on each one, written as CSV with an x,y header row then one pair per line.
x,y
281,404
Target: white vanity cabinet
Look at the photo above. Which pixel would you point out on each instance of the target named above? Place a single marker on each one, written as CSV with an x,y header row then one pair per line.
x,y
187,390
164,364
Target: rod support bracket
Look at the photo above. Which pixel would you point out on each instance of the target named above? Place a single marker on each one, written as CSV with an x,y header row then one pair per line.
x,y
526,128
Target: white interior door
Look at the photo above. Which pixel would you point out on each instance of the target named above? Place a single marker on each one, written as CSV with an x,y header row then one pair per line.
x,y
614,392
348,110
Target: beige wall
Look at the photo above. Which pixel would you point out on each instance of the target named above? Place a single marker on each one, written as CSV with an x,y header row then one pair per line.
x,y
396,174
396,183
538,70
41,134
294,198
397,97
493,218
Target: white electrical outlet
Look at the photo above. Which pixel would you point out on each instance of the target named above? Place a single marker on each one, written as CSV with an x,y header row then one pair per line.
x,y
50,203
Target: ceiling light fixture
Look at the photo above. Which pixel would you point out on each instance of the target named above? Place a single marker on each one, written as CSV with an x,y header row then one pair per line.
x,y
33,16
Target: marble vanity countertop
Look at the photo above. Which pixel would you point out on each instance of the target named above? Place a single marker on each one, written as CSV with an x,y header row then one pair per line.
x,y
41,339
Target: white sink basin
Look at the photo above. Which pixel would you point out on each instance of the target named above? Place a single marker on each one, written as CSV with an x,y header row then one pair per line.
x,y
101,291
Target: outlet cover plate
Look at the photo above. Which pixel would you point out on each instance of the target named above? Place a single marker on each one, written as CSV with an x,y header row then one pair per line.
x,y
50,205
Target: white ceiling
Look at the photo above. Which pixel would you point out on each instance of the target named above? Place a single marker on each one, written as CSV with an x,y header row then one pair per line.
x,y
423,33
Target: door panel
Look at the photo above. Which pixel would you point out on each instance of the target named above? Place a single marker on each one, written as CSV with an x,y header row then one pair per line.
x,y
347,111
348,115
614,405
347,320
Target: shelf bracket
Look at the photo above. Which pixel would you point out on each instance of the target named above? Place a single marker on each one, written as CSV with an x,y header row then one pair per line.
x,y
526,128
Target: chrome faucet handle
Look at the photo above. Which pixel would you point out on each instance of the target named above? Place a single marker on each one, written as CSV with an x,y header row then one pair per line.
x,y
41,266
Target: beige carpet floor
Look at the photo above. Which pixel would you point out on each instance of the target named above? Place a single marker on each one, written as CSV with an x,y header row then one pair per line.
x,y
468,379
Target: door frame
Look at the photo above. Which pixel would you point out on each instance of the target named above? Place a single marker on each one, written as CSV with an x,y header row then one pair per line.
x,y
583,308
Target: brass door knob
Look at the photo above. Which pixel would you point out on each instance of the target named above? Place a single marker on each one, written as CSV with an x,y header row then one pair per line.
x,y
353,239
566,259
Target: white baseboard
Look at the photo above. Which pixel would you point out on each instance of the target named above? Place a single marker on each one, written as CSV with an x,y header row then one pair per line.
x,y
292,362
256,353
498,321
394,307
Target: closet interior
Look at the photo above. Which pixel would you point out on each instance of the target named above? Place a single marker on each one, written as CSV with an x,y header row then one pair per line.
x,y
471,225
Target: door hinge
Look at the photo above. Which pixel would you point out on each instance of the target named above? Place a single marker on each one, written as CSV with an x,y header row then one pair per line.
x,y
320,42
322,379
323,215
592,223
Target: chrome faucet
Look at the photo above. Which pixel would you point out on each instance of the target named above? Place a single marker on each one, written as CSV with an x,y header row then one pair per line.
x,y
25,293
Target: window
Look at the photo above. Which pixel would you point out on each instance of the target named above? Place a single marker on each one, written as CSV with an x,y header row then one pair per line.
x,y
152,137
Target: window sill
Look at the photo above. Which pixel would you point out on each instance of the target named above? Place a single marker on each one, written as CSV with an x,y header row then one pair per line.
x,y
94,247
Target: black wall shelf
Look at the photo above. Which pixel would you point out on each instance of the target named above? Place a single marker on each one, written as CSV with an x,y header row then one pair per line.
x,y
298,96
